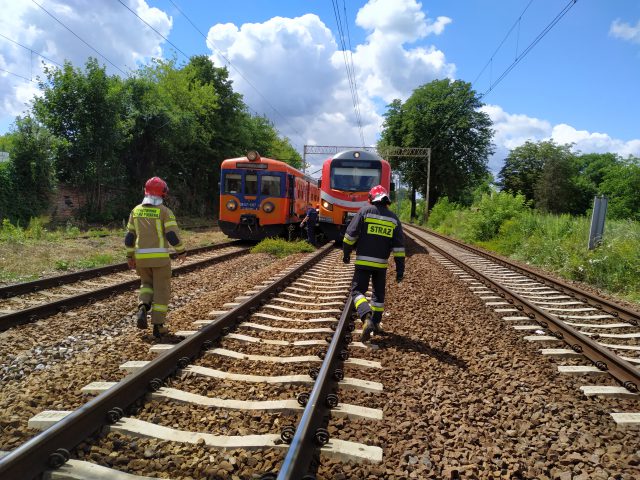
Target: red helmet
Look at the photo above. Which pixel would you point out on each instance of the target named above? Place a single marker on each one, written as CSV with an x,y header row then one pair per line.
x,y
156,186
378,194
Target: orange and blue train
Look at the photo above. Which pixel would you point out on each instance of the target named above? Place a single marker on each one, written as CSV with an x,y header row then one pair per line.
x,y
263,197
346,180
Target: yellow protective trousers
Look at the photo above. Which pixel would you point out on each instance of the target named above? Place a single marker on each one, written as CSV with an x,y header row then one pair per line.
x,y
155,290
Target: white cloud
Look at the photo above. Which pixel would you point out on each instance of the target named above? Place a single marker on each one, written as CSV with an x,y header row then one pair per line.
x,y
625,31
107,26
513,130
594,142
296,64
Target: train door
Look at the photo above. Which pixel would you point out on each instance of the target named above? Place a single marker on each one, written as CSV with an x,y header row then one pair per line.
x,y
290,193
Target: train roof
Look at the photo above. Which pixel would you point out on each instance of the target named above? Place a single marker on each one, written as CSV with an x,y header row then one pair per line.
x,y
264,163
359,154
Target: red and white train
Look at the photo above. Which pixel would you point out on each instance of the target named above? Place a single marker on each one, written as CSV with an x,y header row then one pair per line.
x,y
346,180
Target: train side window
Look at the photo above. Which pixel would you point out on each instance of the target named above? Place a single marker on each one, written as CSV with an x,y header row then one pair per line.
x,y
270,185
232,182
251,184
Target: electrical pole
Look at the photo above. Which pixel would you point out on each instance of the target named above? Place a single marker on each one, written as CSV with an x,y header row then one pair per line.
x,y
426,199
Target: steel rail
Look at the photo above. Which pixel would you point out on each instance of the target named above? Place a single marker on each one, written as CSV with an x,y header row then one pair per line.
x,y
29,315
59,280
310,434
603,358
45,450
603,304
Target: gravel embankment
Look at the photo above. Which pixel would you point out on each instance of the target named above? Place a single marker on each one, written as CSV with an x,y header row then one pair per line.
x,y
462,391
44,365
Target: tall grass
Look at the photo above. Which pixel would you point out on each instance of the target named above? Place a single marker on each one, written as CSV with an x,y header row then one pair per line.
x,y
555,242
282,248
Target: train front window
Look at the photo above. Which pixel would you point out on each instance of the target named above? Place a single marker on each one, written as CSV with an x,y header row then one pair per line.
x,y
270,186
355,176
232,183
251,184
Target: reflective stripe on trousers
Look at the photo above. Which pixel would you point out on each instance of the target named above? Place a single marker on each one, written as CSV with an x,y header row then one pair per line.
x,y
158,280
359,287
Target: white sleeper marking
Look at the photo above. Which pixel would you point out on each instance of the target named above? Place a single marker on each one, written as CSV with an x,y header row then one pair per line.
x,y
267,328
342,410
559,352
299,310
347,382
79,470
97,387
296,359
607,391
540,338
579,370
296,320
622,419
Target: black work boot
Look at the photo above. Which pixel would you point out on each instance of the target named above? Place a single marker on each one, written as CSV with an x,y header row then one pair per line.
x,y
159,330
367,328
377,330
141,316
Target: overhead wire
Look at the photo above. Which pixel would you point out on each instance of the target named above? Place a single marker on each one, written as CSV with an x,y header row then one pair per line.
x,y
517,60
533,43
239,72
18,75
348,66
516,23
31,50
79,38
353,72
152,28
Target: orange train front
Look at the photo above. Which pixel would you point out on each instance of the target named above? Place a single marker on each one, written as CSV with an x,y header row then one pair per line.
x,y
263,197
347,178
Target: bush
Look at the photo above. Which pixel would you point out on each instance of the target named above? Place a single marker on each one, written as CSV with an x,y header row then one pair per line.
x,y
492,211
282,248
11,233
440,211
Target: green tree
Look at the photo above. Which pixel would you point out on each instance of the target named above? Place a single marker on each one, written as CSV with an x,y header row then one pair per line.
x,y
30,172
592,168
443,115
556,190
83,109
621,184
547,174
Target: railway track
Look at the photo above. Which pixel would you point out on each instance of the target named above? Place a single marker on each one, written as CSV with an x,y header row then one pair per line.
x,y
27,302
310,300
599,336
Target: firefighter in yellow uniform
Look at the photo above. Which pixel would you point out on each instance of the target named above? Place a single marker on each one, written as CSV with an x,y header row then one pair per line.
x,y
151,228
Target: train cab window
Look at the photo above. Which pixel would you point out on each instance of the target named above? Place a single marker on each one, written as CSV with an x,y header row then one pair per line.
x,y
232,183
355,176
270,185
251,184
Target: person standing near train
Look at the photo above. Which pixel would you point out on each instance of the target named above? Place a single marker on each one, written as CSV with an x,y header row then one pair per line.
x,y
375,232
310,221
151,226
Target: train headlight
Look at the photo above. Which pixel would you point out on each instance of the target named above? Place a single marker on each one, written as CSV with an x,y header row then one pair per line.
x,y
268,207
253,156
232,205
327,206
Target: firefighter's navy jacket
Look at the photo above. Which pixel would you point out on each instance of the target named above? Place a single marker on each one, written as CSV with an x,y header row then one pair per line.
x,y
376,232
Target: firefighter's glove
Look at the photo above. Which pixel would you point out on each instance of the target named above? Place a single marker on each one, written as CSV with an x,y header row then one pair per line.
x,y
399,278
182,257
131,262
346,258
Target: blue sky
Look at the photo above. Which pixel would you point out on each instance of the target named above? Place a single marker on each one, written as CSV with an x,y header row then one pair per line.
x,y
579,84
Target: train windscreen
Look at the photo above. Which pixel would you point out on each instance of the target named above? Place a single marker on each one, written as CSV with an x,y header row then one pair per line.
x,y
355,176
